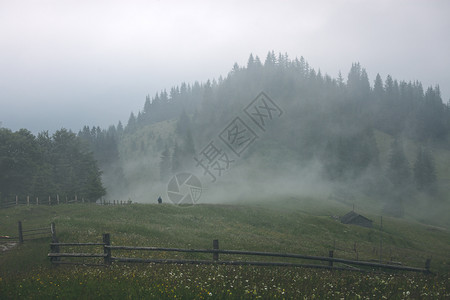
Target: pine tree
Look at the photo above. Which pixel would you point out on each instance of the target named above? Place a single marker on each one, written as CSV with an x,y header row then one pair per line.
x,y
132,124
398,173
340,81
119,129
358,83
183,124
378,89
389,85
176,159
432,116
165,165
189,148
147,105
424,171
250,62
235,68
183,129
257,63
19,161
271,60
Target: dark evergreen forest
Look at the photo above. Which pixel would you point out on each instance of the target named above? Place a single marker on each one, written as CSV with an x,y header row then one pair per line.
x,y
330,120
43,165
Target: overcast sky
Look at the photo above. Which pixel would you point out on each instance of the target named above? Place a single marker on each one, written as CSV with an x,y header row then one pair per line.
x,y
70,63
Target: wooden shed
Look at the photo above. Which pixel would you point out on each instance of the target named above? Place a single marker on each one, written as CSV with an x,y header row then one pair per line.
x,y
356,219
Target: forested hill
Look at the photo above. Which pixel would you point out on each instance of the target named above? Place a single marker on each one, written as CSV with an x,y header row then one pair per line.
x,y
387,138
395,107
352,128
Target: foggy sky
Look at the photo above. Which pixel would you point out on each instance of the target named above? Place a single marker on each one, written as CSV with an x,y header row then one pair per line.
x,y
74,63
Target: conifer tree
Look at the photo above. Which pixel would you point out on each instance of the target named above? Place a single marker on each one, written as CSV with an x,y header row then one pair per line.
x,y
378,89
119,129
176,159
424,171
398,173
165,165
132,124
250,62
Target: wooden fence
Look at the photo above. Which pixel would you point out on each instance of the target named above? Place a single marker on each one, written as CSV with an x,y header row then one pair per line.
x,y
331,262
29,233
7,203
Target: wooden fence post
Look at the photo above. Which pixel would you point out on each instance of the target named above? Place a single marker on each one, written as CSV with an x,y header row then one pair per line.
x,y
49,200
20,232
28,200
330,254
17,200
54,248
381,239
37,200
216,247
107,251
53,231
57,199
427,264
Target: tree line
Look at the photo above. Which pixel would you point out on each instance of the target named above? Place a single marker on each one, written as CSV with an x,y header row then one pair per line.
x,y
47,165
332,120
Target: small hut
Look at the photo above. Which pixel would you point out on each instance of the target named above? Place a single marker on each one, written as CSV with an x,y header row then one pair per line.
x,y
356,219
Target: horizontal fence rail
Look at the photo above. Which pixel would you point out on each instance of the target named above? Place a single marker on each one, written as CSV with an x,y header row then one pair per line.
x,y
108,259
51,200
76,255
268,254
77,244
28,234
34,233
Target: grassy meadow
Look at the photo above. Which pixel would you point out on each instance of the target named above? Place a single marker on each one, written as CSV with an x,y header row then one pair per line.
x,y
297,226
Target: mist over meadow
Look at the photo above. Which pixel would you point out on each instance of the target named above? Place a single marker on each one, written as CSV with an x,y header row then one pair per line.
x,y
269,130
227,150
381,143
354,104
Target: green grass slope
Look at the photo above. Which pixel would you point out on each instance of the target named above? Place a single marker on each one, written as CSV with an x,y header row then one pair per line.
x,y
297,229
298,225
